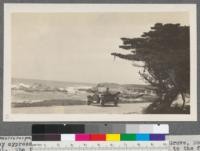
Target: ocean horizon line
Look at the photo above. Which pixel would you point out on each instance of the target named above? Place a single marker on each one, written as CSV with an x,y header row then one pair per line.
x,y
78,82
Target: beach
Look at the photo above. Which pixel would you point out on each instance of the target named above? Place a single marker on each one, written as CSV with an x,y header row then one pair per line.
x,y
47,97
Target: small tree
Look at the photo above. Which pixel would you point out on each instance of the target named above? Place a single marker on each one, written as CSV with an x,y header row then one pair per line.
x,y
164,50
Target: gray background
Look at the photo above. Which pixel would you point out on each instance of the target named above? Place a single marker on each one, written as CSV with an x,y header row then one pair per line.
x,y
24,128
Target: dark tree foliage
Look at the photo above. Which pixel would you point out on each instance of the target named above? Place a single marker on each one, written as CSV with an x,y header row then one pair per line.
x,y
166,56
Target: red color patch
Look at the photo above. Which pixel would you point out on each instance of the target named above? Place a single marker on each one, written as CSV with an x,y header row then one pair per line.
x,y
98,137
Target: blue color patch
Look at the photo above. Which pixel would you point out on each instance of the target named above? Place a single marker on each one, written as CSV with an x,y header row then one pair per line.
x,y
157,137
142,137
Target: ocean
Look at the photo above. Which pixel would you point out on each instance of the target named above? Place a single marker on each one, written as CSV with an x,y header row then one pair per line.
x,y
31,92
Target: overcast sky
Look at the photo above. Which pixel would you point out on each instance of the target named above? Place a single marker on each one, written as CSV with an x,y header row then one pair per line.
x,y
76,46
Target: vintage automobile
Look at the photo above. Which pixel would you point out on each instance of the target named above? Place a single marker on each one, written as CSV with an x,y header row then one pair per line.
x,y
106,98
103,98
93,99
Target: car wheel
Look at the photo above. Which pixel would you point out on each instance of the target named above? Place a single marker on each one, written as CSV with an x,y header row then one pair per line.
x,y
102,102
88,102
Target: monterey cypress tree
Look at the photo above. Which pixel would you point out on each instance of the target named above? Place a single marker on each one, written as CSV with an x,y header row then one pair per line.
x,y
165,53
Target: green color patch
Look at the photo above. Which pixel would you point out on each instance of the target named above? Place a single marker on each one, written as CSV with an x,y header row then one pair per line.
x,y
128,137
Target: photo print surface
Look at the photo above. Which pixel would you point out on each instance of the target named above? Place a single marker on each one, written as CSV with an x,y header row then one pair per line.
x,y
99,62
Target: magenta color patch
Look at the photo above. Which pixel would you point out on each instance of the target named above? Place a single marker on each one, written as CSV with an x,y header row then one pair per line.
x,y
82,137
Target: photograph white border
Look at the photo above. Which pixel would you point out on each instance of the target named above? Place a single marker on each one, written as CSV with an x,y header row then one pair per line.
x,y
53,8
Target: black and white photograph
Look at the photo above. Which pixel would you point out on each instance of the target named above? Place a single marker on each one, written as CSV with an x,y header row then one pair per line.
x,y
100,62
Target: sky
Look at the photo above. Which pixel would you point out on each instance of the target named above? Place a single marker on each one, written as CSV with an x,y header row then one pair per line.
x,y
76,47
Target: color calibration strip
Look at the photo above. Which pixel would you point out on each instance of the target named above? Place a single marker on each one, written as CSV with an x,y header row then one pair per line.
x,y
99,132
98,137
116,137
100,128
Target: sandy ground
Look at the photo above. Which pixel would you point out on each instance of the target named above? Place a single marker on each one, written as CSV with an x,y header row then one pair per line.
x,y
129,108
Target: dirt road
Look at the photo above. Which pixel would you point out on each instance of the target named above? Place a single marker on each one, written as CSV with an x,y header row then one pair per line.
x,y
129,108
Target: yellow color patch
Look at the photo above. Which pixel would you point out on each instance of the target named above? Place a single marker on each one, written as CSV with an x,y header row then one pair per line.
x,y
112,137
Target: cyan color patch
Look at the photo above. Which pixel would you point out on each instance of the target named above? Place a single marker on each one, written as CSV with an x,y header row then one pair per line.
x,y
142,137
